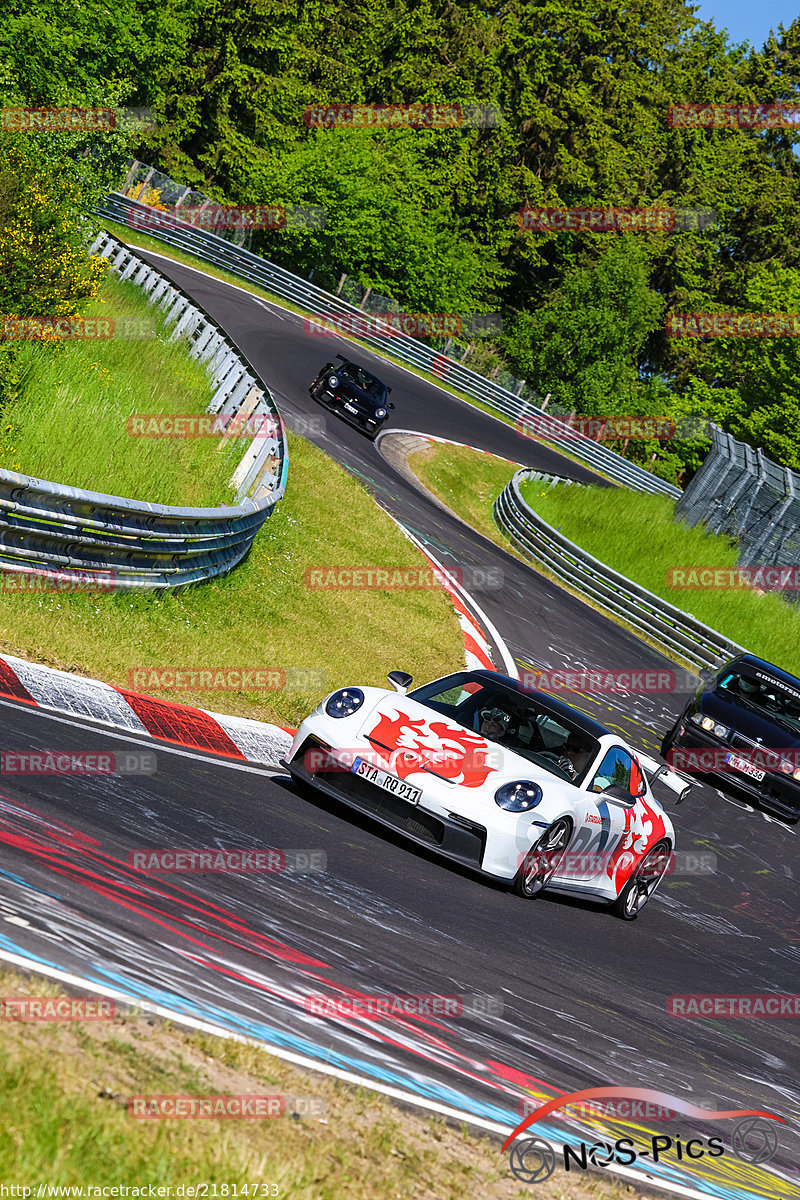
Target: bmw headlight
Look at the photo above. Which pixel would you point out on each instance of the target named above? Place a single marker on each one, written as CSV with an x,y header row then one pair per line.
x,y
345,702
796,774
333,381
721,730
707,723
381,413
697,718
518,796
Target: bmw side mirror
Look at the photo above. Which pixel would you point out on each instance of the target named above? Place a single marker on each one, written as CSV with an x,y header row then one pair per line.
x,y
400,680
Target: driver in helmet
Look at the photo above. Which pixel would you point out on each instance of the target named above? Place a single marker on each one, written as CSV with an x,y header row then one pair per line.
x,y
493,722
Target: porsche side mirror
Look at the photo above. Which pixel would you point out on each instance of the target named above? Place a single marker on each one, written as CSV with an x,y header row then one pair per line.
x,y
389,404
620,794
400,680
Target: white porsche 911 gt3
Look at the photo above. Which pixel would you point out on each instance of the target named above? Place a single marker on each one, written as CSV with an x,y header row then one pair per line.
x,y
503,779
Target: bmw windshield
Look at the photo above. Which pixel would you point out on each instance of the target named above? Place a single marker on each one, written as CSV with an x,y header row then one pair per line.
x,y
767,697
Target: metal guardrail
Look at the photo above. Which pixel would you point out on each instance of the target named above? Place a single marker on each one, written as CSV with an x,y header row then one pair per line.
x,y
740,492
676,631
120,544
306,296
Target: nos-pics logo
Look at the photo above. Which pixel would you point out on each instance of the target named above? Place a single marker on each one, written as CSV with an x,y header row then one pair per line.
x,y
533,1160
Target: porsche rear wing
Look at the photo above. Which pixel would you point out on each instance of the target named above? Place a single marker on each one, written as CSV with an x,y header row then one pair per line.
x,y
671,779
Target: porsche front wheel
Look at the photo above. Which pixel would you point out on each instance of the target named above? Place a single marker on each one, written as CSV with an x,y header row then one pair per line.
x,y
542,860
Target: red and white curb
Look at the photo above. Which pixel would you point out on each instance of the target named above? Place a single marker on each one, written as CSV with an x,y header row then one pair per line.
x,y
216,733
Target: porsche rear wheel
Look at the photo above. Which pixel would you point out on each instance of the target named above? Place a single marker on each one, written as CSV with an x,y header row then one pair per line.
x,y
543,859
642,883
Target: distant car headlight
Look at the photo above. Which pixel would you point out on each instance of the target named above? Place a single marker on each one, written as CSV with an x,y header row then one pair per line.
x,y
333,381
518,796
381,412
345,702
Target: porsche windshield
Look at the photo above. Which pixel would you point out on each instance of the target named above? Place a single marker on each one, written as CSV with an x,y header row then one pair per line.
x,y
362,379
522,723
767,697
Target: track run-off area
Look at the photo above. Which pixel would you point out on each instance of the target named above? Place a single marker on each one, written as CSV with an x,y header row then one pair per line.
x,y
583,996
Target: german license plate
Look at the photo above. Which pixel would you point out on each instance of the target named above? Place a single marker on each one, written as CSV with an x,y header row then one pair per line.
x,y
389,783
746,768
350,407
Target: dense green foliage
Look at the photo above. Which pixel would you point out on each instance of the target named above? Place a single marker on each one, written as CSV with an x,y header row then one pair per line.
x,y
430,216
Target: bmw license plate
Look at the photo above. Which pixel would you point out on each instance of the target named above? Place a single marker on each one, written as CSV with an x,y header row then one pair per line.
x,y
350,407
389,783
746,768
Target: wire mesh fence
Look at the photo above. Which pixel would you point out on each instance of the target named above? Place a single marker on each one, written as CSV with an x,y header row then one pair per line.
x,y
738,491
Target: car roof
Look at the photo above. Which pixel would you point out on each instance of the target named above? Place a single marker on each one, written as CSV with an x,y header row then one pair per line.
x,y
574,715
750,660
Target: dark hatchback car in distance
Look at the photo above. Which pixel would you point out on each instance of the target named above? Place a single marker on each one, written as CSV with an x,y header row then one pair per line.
x,y
747,715
354,394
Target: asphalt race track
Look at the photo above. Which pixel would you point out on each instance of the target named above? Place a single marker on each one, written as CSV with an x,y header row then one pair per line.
x,y
583,995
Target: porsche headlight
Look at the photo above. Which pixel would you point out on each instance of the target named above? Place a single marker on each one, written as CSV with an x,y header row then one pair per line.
x,y
519,796
380,413
345,702
333,381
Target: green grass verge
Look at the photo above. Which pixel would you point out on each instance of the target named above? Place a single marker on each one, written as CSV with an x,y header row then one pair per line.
x,y
64,1122
262,616
135,238
67,418
630,532
638,536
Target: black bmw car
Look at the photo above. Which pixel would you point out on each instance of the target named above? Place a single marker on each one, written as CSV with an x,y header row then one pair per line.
x,y
354,394
743,728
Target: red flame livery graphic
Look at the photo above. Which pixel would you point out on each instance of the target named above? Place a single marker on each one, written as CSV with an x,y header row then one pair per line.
x,y
417,745
643,828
